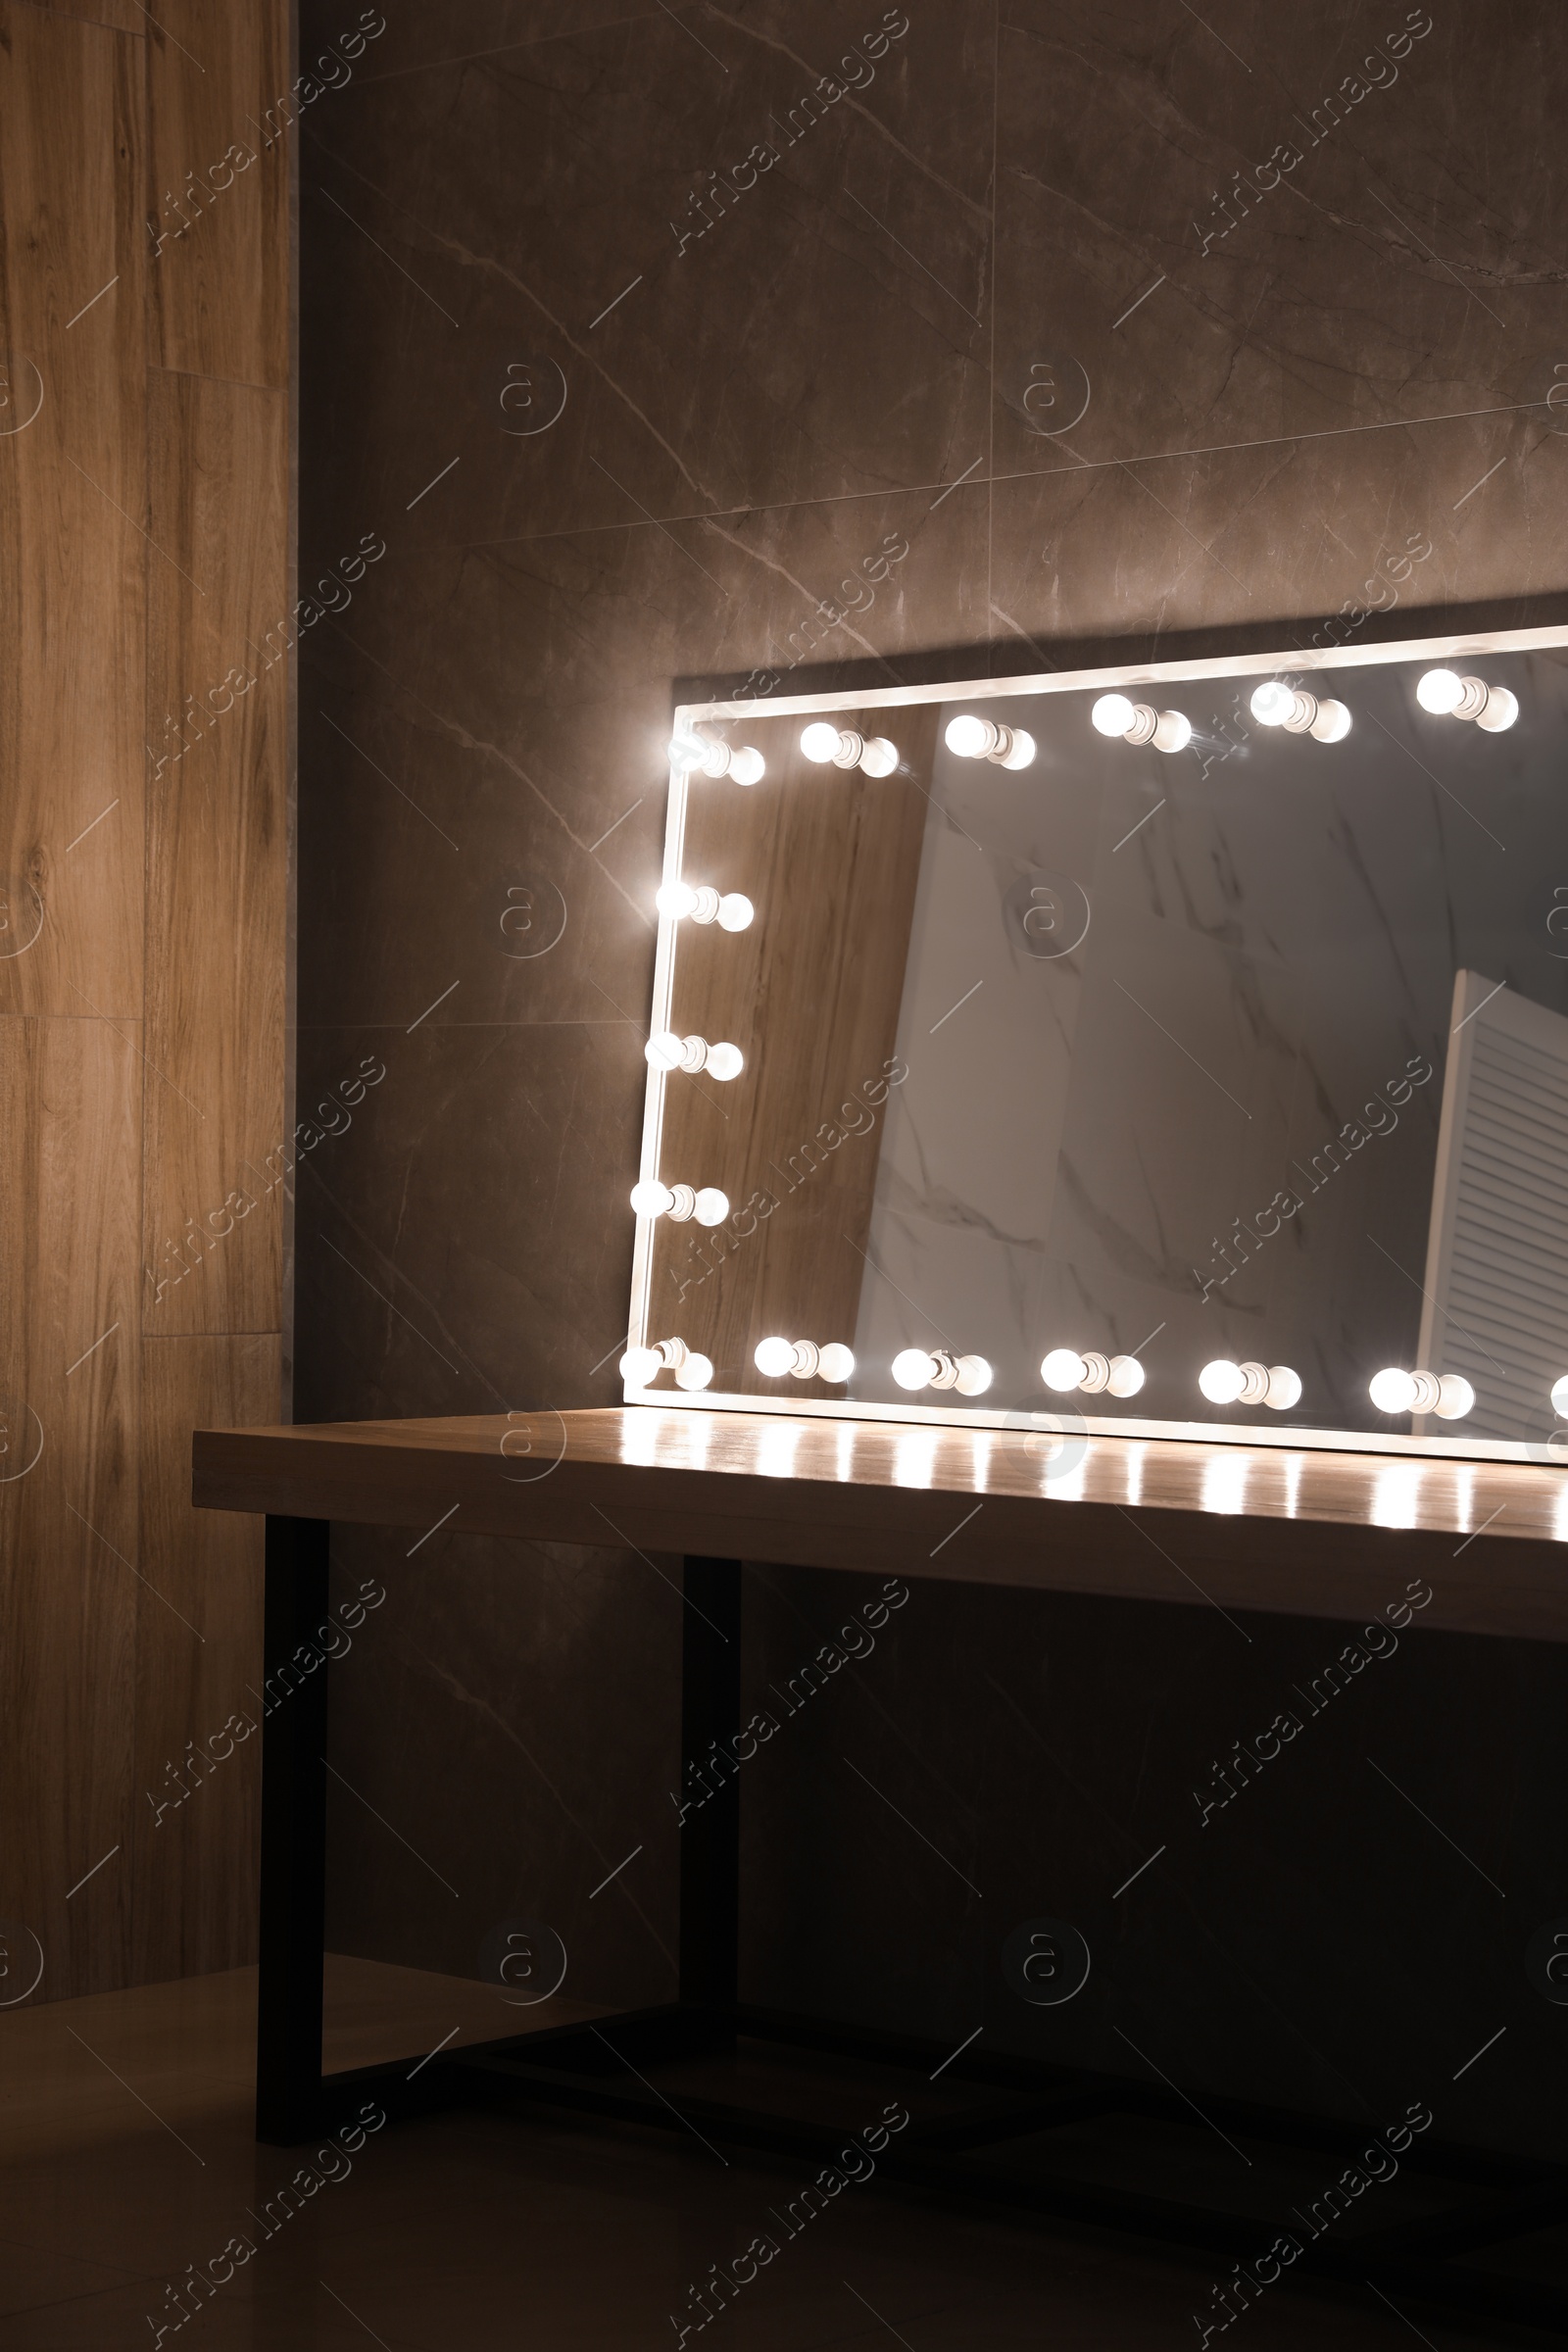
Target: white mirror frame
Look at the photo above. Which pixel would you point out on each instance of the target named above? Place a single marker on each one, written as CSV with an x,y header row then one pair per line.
x,y
1293,659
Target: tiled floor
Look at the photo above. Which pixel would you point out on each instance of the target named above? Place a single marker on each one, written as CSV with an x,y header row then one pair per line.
x,y
126,2156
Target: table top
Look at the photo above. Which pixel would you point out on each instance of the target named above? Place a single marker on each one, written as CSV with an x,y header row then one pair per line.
x,y
1235,1527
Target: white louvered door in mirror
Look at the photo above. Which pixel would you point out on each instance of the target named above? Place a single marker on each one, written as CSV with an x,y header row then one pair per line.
x,y
1496,1279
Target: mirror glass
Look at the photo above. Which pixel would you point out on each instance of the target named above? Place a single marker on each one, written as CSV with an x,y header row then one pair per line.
x,y
1185,1051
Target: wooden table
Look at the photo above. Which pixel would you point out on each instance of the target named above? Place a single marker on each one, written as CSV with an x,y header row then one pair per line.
x,y
1235,1527
1318,1535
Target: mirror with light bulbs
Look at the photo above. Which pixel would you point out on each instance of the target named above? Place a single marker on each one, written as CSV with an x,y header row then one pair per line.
x,y
1180,1052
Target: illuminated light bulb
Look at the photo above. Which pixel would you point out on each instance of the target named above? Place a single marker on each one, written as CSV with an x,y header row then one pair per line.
x,y
687,751
1393,1391
820,742
679,899
970,738
1272,704
1448,696
1064,1369
1440,691
665,1050
1455,1397
677,1201
1559,1398
641,1366
711,1206
803,1359
735,911
918,1368
1397,1391
1276,704
699,750
695,1373
1138,722
1273,1385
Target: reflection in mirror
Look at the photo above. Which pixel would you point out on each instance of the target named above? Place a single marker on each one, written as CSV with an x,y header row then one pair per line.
x,y
1178,1052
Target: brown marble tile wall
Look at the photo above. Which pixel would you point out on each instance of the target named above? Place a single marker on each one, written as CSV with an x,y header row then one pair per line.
x,y
1127,335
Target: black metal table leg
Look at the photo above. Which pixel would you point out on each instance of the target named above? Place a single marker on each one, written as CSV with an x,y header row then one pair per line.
x,y
293,1926
710,1847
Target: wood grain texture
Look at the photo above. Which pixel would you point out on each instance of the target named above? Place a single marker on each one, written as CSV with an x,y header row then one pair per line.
x,y
1314,1535
217,870
72,497
69,1096
811,995
118,16
126,884
221,112
198,1641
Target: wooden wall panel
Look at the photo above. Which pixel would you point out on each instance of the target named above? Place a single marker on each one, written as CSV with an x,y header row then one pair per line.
x,y
811,995
72,552
218,188
70,1103
121,16
198,1642
217,938
144,541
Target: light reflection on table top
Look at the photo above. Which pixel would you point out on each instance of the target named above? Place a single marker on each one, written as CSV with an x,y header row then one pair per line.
x,y
1267,1482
